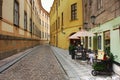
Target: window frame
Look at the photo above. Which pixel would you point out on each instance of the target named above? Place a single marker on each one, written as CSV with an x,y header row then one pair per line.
x,y
30,25
100,42
99,4
16,13
74,11
62,19
25,20
90,41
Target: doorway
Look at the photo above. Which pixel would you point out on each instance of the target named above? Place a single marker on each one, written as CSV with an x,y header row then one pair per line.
x,y
107,42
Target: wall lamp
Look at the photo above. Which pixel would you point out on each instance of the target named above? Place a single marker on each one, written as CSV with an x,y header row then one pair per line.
x,y
93,20
62,30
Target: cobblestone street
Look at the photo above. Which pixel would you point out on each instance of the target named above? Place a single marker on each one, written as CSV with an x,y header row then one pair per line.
x,y
40,64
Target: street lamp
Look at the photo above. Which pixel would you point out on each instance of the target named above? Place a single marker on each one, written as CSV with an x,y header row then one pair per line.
x,y
98,32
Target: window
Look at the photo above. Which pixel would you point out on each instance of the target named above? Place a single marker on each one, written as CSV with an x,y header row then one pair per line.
x,y
56,25
39,11
30,25
62,19
99,42
59,2
42,34
90,2
31,2
43,23
25,20
33,5
107,41
33,28
40,21
99,4
35,11
56,6
90,41
74,11
16,13
58,22
43,14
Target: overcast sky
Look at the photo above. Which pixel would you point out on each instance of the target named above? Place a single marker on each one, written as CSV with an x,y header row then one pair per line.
x,y
47,4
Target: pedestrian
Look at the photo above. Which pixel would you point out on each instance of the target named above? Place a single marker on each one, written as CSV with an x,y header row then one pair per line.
x,y
87,55
91,57
73,54
78,50
72,51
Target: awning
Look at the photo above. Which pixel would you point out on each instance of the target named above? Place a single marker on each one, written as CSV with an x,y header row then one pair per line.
x,y
83,33
74,37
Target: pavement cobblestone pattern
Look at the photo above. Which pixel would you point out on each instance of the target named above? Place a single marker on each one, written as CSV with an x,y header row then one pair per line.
x,y
40,64
78,69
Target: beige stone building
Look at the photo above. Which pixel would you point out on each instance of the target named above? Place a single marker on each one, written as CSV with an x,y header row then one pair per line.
x,y
23,24
45,24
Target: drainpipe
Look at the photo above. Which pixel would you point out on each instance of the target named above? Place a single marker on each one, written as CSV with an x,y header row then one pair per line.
x,y
31,25
119,33
1,2
83,12
57,25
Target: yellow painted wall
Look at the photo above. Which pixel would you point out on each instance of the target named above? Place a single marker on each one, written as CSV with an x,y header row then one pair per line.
x,y
70,26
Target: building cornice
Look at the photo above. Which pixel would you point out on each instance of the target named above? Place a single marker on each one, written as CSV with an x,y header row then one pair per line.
x,y
41,7
53,5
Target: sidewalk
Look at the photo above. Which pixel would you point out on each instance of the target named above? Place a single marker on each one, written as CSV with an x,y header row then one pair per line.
x,y
77,69
7,62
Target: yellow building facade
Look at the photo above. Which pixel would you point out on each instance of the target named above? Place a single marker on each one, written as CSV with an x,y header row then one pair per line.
x,y
20,25
66,18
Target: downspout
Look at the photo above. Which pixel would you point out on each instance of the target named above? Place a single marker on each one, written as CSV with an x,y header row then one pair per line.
x,y
119,33
31,24
1,2
83,11
57,24
81,39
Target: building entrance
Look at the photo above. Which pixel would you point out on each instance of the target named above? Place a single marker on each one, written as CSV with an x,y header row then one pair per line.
x,y
107,41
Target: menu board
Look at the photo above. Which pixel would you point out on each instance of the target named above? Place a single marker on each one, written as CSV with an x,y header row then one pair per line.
x,y
100,55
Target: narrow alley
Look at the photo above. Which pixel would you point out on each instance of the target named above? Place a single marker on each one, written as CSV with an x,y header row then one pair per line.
x,y
59,39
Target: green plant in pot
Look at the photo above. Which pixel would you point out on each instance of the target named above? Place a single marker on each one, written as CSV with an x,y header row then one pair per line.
x,y
71,48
